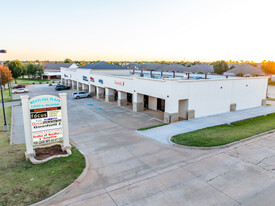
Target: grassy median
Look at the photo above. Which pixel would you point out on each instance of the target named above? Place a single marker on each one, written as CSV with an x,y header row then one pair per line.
x,y
27,81
145,128
22,183
224,134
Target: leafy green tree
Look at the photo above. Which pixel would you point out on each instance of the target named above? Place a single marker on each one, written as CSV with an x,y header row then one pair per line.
x,y
39,70
24,71
220,67
31,70
68,61
16,68
268,67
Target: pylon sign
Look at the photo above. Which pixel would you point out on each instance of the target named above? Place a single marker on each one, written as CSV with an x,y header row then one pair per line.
x,y
45,122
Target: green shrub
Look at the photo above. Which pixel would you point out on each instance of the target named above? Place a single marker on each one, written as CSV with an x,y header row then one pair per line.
x,y
53,81
50,84
239,75
40,82
33,83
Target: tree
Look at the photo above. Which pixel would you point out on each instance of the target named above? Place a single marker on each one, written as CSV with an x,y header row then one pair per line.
x,y
24,71
82,63
68,61
220,67
239,75
16,68
268,67
5,72
39,70
31,70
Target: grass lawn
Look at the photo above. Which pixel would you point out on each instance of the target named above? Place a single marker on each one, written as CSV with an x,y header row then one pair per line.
x,y
271,83
145,128
22,183
6,96
224,134
27,81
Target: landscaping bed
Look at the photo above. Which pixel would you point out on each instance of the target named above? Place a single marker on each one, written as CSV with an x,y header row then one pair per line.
x,y
22,183
225,134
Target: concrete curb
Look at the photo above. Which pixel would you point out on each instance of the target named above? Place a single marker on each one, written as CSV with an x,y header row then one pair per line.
x,y
222,146
71,186
11,129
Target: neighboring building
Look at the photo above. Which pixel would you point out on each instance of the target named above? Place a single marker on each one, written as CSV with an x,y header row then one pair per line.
x,y
184,97
197,68
52,70
246,70
200,68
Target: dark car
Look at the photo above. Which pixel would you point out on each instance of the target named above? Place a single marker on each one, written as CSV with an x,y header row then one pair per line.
x,y
19,86
62,87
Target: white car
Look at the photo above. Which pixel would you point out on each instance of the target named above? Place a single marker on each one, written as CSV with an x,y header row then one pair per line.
x,y
78,95
20,90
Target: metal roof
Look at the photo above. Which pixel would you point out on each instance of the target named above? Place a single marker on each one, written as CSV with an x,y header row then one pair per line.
x,y
101,65
245,69
56,66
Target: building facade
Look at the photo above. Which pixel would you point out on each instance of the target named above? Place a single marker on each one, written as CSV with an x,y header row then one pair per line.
x,y
178,96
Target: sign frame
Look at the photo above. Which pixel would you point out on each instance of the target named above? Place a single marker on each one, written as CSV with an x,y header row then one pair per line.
x,y
44,102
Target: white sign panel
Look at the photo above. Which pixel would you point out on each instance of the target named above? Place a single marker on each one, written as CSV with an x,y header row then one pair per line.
x,y
47,136
46,120
44,101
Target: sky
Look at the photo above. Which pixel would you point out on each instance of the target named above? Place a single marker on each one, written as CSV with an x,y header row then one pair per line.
x,y
138,30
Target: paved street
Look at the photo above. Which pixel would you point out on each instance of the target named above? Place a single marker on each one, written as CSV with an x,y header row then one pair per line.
x,y
126,168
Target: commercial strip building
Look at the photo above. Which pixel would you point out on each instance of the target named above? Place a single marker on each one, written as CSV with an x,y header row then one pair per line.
x,y
176,95
52,70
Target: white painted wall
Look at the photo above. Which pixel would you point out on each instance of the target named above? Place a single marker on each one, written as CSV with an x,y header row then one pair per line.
x,y
206,96
153,101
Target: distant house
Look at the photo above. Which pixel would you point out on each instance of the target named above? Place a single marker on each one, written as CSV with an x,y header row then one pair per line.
x,y
245,70
53,71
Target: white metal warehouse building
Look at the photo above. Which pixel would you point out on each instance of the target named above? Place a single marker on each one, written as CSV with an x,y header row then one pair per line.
x,y
177,95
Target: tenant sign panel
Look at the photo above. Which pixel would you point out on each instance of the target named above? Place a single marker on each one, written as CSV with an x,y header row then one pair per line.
x,y
46,120
45,123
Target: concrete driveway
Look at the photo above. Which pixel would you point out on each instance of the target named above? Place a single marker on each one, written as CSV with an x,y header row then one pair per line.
x,y
126,168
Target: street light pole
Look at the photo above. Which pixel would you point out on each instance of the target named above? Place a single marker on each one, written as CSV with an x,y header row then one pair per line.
x,y
5,126
9,87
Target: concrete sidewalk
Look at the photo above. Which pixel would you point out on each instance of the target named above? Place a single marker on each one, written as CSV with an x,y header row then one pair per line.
x,y
162,134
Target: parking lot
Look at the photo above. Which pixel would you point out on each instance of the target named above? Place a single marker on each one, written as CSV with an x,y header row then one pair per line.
x,y
126,168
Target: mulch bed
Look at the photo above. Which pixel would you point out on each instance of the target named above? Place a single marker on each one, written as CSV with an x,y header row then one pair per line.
x,y
43,153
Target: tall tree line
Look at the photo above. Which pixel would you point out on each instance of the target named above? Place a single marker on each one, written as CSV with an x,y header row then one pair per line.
x,y
18,69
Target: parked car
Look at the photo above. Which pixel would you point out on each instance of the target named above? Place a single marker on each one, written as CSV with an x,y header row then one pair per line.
x,y
61,87
19,86
78,95
20,90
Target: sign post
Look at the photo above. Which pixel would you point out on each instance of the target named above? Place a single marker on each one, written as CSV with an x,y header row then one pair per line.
x,y
45,125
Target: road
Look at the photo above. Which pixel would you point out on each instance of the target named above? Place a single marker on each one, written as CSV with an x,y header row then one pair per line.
x,y
126,168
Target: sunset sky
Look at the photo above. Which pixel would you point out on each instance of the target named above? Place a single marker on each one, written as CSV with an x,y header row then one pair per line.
x,y
132,30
